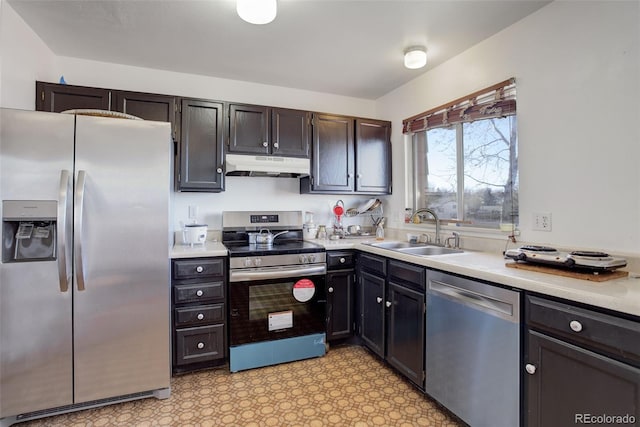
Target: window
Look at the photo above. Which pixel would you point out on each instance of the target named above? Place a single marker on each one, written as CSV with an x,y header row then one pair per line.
x,y
465,164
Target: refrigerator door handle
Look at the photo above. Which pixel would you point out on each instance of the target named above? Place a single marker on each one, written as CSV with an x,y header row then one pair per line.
x,y
79,203
63,199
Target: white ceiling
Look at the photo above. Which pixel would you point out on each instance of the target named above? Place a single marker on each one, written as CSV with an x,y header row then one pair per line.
x,y
346,47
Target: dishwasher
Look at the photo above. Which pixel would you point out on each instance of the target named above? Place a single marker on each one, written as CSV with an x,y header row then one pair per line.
x,y
473,349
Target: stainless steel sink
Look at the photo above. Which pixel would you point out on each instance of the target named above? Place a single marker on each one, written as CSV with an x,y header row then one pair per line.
x,y
421,249
429,250
394,245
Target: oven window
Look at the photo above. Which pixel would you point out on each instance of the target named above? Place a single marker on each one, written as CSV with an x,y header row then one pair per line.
x,y
274,297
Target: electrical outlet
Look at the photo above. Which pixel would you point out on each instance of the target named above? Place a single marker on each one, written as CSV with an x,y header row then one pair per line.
x,y
542,221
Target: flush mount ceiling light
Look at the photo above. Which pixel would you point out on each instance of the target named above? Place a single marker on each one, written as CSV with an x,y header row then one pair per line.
x,y
257,11
415,57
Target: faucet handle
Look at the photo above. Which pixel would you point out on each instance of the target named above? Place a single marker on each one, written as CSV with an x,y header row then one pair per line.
x,y
425,238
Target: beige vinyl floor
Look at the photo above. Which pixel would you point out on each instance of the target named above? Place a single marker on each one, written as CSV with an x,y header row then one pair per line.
x,y
346,387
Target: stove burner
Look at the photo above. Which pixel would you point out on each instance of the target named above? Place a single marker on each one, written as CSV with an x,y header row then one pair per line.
x,y
590,254
534,248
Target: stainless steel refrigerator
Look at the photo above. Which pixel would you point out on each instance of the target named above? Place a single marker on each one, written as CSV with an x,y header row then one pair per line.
x,y
84,277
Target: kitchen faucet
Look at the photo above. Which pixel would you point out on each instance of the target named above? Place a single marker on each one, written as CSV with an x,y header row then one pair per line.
x,y
435,217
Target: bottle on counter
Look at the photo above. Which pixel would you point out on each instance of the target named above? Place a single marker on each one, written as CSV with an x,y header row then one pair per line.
x,y
379,232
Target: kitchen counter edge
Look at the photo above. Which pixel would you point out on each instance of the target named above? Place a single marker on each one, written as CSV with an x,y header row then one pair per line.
x,y
209,249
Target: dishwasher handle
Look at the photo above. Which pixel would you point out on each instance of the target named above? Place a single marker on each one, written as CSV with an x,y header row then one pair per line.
x,y
507,308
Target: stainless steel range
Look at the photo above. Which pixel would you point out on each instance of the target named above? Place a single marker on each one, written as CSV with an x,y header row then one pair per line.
x,y
277,299
578,260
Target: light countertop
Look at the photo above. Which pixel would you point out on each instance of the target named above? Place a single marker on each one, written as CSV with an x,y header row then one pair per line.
x,y
622,295
209,249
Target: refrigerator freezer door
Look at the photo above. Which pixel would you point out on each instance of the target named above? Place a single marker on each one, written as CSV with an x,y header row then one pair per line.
x,y
35,312
121,317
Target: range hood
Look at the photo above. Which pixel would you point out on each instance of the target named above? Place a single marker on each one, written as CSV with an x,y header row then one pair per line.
x,y
248,165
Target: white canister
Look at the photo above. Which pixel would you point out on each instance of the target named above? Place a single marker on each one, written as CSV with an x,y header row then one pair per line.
x,y
309,231
194,234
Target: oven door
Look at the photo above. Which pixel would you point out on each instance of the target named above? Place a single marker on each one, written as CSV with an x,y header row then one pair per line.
x,y
265,308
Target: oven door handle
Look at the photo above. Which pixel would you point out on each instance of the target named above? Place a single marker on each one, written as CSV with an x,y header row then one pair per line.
x,y
253,274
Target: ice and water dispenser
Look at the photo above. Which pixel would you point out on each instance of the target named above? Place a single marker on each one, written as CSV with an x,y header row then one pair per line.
x,y
28,230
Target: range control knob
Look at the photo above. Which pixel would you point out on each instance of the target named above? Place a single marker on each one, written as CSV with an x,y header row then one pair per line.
x,y
258,262
303,259
248,262
311,258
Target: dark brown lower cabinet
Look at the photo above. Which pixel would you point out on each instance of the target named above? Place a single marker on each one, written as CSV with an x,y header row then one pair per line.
x,y
340,294
581,367
392,313
572,386
198,313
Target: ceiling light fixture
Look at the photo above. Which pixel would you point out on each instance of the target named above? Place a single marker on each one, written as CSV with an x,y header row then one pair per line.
x,y
415,57
257,11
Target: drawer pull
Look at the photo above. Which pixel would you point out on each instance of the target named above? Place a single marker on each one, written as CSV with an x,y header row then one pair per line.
x,y
330,290
199,269
200,345
388,304
200,316
575,326
199,292
531,369
342,260
379,300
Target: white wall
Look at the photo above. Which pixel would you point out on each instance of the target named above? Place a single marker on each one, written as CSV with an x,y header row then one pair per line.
x,y
582,167
24,58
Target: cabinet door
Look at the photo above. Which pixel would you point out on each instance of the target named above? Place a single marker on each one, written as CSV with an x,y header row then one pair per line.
x,y
201,139
56,98
570,383
332,160
405,337
148,106
373,156
290,132
372,312
340,304
249,129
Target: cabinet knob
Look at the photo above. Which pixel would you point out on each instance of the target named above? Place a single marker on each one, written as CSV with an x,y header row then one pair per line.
x,y
199,269
276,145
200,345
349,175
575,326
199,292
200,316
388,304
265,144
219,170
359,175
379,300
342,260
531,369
330,290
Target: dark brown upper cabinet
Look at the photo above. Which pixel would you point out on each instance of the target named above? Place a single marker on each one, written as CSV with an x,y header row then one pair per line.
x,y
201,143
147,106
255,129
349,155
373,156
56,98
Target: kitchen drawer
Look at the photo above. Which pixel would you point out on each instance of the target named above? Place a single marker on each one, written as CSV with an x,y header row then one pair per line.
x,y
410,274
199,315
199,344
373,264
340,260
198,267
618,337
197,292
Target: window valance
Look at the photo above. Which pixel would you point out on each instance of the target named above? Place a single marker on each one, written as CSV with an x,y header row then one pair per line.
x,y
498,100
